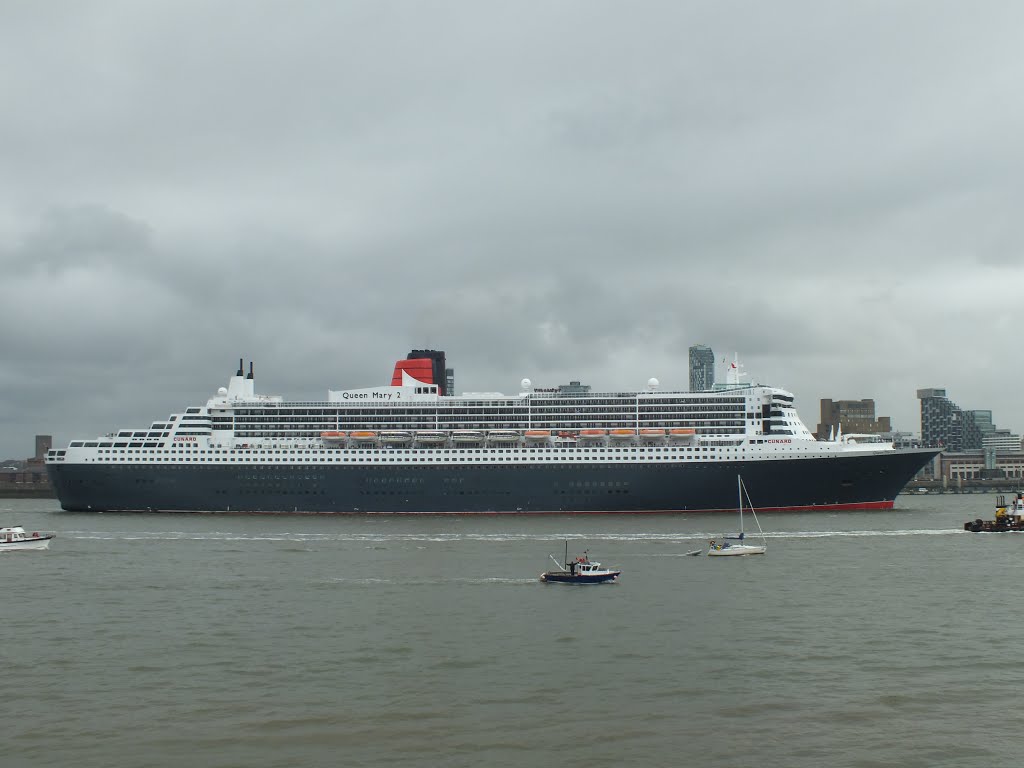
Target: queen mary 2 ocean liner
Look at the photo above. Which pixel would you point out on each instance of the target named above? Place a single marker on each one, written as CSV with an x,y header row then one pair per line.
x,y
412,447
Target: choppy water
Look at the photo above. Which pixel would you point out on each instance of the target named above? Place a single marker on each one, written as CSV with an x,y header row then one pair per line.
x,y
861,639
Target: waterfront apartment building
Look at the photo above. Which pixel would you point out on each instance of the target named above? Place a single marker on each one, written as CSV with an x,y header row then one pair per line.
x,y
853,416
941,420
702,368
981,432
945,424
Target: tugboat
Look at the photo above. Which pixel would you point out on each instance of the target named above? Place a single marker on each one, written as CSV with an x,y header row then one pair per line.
x,y
582,570
1009,517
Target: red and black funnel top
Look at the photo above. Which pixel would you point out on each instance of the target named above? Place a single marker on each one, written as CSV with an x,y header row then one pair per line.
x,y
426,365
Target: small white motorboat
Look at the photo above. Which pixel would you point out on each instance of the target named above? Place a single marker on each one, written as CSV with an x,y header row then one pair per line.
x,y
14,539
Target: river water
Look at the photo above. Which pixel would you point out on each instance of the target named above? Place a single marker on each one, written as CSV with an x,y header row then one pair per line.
x,y
860,639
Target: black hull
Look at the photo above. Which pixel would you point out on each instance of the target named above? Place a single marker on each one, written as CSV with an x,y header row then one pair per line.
x,y
565,578
835,483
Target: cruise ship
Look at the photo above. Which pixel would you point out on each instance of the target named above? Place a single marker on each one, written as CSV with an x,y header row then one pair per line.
x,y
412,447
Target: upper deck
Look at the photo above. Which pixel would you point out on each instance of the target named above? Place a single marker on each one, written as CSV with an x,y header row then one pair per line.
x,y
411,413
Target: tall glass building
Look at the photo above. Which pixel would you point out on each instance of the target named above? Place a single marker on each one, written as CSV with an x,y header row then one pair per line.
x,y
977,425
941,420
702,368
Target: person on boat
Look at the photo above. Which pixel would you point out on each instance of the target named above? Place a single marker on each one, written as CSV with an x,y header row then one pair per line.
x,y
572,568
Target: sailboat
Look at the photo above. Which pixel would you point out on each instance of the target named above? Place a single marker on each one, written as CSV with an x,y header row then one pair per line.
x,y
736,545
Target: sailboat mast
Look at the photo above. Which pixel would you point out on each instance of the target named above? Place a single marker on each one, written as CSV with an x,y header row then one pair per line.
x,y
739,491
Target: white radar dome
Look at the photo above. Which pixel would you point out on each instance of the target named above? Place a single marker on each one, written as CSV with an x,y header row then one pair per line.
x,y
652,383
222,391
525,384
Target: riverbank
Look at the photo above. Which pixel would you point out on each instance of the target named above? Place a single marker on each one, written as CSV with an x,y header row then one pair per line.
x,y
1002,485
15,492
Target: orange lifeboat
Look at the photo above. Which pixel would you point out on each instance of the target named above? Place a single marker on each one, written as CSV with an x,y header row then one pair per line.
x,y
363,435
592,434
333,437
680,433
538,434
621,434
651,432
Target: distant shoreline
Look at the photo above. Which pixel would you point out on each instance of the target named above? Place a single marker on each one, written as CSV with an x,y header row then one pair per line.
x,y
27,493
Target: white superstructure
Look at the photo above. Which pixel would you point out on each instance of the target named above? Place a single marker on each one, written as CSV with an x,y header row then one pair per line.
x,y
413,423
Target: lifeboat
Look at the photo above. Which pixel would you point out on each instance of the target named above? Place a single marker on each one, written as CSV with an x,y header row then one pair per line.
x,y
622,434
431,436
538,435
649,432
467,436
363,436
395,436
503,436
593,434
679,433
333,437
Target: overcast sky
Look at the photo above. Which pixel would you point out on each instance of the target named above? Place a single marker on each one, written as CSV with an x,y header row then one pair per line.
x,y
552,190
